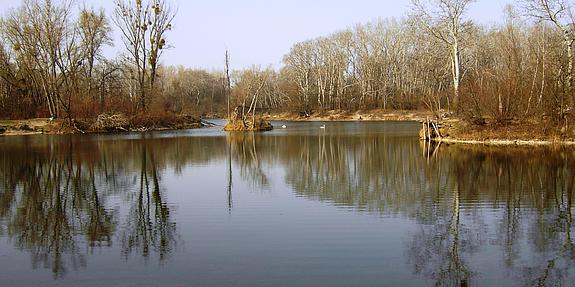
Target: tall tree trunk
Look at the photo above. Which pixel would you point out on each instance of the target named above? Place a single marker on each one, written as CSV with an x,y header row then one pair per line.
x,y
456,72
569,43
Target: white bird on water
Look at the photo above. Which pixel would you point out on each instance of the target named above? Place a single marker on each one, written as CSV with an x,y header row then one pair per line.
x,y
284,126
322,127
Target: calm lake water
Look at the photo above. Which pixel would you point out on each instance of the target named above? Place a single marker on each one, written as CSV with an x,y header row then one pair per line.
x,y
355,204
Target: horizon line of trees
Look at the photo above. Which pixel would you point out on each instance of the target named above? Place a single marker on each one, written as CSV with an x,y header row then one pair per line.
x,y
438,59
51,61
51,64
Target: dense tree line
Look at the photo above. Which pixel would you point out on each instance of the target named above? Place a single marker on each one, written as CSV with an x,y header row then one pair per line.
x,y
52,63
436,58
440,60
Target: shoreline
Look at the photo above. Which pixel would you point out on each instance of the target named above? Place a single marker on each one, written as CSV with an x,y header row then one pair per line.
x,y
377,115
456,131
44,126
13,133
504,142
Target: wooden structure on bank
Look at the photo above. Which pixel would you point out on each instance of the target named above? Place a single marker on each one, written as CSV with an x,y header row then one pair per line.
x,y
432,137
430,131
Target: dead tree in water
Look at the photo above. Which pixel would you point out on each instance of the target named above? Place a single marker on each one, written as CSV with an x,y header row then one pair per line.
x,y
228,87
430,131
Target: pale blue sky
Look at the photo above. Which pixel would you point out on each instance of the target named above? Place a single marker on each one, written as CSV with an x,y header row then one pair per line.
x,y
260,32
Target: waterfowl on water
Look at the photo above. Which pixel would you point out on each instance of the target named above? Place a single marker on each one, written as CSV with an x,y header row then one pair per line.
x,y
284,126
322,127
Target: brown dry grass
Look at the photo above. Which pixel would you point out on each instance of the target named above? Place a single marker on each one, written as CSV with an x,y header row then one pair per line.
x,y
525,132
164,120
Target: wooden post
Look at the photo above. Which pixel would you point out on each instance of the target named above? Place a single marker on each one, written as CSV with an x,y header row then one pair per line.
x,y
228,85
428,130
436,128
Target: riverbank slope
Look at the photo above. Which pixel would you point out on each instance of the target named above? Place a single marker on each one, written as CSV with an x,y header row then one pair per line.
x,y
102,124
509,133
340,115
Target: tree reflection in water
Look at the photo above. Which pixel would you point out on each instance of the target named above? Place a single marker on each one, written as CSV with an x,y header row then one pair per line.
x,y
49,202
149,225
55,192
528,190
463,201
244,149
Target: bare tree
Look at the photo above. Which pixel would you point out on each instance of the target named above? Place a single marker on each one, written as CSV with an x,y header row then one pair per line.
x,y
256,89
299,61
44,41
163,15
228,84
132,20
144,27
444,20
94,30
560,14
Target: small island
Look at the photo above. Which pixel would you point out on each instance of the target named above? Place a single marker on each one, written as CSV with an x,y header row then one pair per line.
x,y
240,120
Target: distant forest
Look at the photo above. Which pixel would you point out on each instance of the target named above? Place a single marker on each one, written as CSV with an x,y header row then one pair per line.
x,y
436,58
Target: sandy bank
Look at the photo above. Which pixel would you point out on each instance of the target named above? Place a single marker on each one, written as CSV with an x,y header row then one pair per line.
x,y
511,134
495,142
338,115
